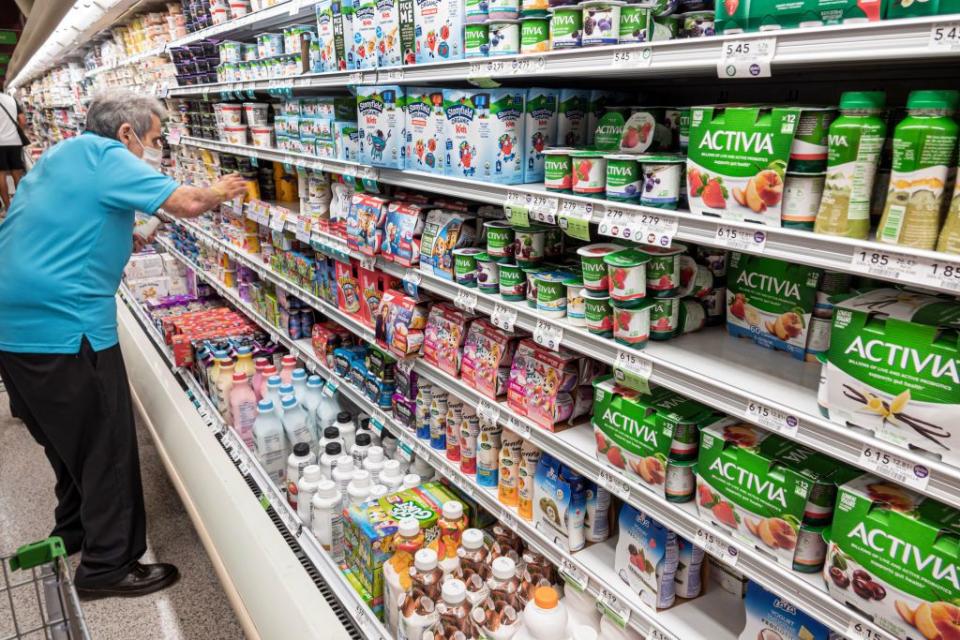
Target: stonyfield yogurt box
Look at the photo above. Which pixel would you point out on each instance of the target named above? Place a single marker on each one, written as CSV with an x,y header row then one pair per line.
x,y
381,121
892,368
347,140
646,558
484,134
365,35
771,302
736,161
325,37
438,27
388,43
540,129
893,555
572,117
426,130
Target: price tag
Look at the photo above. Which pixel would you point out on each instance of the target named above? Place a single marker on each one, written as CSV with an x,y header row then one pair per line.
x,y
311,366
654,228
548,335
508,518
411,283
716,547
746,58
517,209
503,317
244,469
573,575
465,301
356,78
277,219
942,274
294,7
862,631
656,634
614,483
632,58
488,412
616,224
368,262
632,371
772,419
543,208
302,232
527,64
330,389
741,239
479,70
886,264
611,606
892,466
574,218
393,75
945,36
519,427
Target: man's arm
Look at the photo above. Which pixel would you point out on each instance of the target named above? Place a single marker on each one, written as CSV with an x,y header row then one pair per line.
x,y
190,202
21,116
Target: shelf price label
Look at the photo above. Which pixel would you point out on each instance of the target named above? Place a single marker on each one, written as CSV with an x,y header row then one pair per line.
x,y
278,218
519,427
884,264
716,547
543,208
945,36
943,274
465,301
749,58
392,75
368,262
738,239
857,630
488,413
517,209
772,419
411,283
483,70
302,232
548,335
894,467
612,607
656,229
632,371
616,224
614,483
656,634
632,58
508,518
573,575
574,218
503,317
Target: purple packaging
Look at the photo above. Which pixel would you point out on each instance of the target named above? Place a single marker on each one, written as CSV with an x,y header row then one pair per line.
x,y
404,410
407,383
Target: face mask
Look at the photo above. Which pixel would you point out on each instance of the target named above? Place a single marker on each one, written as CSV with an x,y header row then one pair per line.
x,y
152,156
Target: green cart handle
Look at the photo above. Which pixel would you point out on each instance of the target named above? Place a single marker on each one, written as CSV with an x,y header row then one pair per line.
x,y
37,553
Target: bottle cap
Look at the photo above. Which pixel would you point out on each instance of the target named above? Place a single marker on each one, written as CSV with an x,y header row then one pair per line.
x,y
391,469
312,473
331,433
226,365
265,405
285,389
452,510
408,527
273,381
361,478
425,559
299,374
314,381
927,99
472,539
261,363
288,401
362,439
333,449
344,416
544,597
374,454
244,350
411,480
301,449
239,376
220,354
289,361
377,491
504,568
345,463
863,100
453,591
327,489
270,370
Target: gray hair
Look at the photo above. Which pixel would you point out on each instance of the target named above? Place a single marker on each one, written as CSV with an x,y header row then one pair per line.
x,y
109,110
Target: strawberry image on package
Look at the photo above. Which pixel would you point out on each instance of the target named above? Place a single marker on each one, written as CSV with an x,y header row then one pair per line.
x,y
485,134
381,120
438,25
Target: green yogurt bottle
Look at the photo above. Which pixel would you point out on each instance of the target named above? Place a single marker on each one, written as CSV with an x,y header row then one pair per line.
x,y
853,151
923,146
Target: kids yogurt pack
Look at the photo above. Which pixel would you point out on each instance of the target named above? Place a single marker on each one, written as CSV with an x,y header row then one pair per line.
x,y
485,134
426,132
438,30
381,121
540,129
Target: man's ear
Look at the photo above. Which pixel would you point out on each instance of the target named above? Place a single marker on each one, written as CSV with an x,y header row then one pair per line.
x,y
125,133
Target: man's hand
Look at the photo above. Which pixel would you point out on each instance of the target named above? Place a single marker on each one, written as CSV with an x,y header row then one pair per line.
x,y
140,242
230,186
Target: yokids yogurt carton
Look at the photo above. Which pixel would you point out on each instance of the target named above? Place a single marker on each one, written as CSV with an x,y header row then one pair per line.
x,y
439,30
388,42
381,121
485,134
347,138
540,129
426,130
646,558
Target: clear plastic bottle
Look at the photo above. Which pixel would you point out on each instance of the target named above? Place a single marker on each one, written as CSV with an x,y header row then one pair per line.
x,y
373,462
411,480
243,407
299,381
422,467
308,485
287,390
474,565
359,487
327,410
327,519
347,428
224,384
273,393
328,461
391,476
301,457
259,381
245,362
408,540
270,442
418,612
454,608
388,442
377,491
361,447
287,365
295,422
450,527
311,400
504,584
343,473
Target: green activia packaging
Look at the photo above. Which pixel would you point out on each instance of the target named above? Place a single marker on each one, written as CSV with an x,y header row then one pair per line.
x,y
768,491
738,16
736,160
906,9
893,556
771,301
892,368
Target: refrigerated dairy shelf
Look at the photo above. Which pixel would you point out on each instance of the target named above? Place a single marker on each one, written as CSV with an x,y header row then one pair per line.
x,y
927,269
574,446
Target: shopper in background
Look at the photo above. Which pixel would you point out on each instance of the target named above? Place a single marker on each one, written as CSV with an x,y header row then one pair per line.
x,y
12,139
63,248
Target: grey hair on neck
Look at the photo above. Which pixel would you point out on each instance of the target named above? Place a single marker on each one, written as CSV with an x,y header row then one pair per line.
x,y
110,109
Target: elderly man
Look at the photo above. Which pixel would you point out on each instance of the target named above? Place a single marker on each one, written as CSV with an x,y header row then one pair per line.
x,y
63,248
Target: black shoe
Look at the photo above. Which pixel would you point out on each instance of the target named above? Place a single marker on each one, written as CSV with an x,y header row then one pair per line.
x,y
141,580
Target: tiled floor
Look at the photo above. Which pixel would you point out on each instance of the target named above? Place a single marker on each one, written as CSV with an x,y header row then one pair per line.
x,y
195,608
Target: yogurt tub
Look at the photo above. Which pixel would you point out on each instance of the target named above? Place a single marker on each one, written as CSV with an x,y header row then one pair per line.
x,y
531,277
661,180
664,318
589,172
696,280
666,28
553,242
534,34
594,268
576,304
661,8
477,11
697,24
500,240
601,22
504,36
631,325
256,113
558,174
503,10
551,294
801,199
488,274
476,40
534,8
693,316
235,135
231,115
623,178
634,23
663,269
566,26
262,136
529,245
627,272
513,282
598,313
465,265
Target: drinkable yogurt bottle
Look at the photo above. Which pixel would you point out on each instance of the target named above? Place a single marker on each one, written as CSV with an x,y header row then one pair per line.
x,y
269,441
301,457
306,488
326,520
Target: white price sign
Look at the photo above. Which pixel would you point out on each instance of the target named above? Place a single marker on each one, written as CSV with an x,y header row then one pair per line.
x,y
945,36
548,335
393,75
741,239
277,219
656,634
244,469
503,317
614,483
519,427
508,518
942,274
632,58
885,264
368,262
746,58
356,77
612,607
527,64
465,301
616,223
486,69
573,575
892,466
543,208
488,412
632,371
862,631
716,547
654,228
303,229
772,419
295,7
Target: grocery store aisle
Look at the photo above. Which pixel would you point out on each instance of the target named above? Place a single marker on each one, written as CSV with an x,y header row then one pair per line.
x,y
195,608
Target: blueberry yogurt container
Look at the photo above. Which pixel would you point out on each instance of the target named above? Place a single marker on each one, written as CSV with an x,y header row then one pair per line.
x,y
601,22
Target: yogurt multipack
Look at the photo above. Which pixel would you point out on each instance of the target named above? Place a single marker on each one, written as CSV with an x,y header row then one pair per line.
x,y
439,30
426,130
540,130
381,121
773,617
646,558
485,134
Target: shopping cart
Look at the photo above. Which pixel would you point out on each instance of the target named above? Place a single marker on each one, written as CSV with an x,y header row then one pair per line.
x,y
37,597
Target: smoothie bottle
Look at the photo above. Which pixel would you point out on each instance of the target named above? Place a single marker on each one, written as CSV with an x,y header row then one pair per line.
x,y
224,383
245,361
310,402
243,407
949,241
396,571
454,609
474,568
855,140
923,145
273,393
259,380
450,525
295,422
268,372
326,519
287,365
299,381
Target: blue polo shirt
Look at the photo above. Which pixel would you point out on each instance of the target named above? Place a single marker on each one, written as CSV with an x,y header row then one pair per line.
x,y
66,240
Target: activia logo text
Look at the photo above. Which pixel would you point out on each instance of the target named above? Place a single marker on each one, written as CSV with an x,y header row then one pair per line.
x,y
620,171
755,142
905,553
837,141
750,481
782,288
896,355
630,425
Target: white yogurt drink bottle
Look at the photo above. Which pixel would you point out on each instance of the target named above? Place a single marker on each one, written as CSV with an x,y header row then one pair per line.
x,y
270,442
327,519
300,458
306,488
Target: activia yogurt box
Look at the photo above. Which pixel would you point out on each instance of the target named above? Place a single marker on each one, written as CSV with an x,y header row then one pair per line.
x,y
485,134
893,555
771,302
736,161
426,130
540,129
892,368
381,120
439,30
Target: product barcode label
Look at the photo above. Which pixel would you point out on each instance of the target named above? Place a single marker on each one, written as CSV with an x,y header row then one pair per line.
x,y
574,218
741,239
615,609
614,483
278,218
632,58
465,301
543,208
573,575
772,419
503,317
519,427
632,371
746,58
716,547
393,75
527,64
945,36
894,467
356,77
244,469
548,335
488,412
862,631
654,228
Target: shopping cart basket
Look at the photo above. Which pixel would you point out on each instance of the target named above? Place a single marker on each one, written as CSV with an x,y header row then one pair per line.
x,y
37,597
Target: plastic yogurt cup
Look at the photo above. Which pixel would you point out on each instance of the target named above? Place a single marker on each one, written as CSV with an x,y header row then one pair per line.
x,y
601,22
261,136
631,325
476,11
500,240
589,171
594,268
663,269
529,244
666,27
531,276
235,135
256,113
513,282
598,313
504,36
476,40
534,8
488,274
664,318
534,34
566,26
465,265
634,23
661,8
661,180
557,170
801,199
503,9
231,115
576,305
623,178
627,272
693,316
551,294
697,24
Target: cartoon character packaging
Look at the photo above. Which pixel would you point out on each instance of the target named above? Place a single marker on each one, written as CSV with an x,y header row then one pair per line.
x,y
365,223
401,238
443,337
399,323
443,232
487,355
545,385
372,286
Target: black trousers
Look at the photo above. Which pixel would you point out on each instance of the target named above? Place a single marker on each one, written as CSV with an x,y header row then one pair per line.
x,y
78,408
